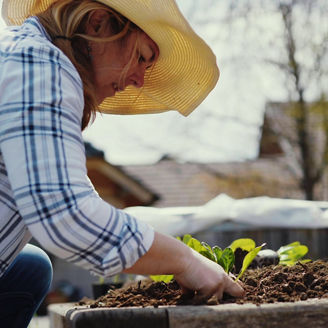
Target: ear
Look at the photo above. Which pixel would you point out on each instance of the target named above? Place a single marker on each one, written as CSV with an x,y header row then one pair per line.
x,y
97,20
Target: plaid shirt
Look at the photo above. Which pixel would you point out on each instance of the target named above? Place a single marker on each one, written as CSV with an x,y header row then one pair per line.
x,y
44,188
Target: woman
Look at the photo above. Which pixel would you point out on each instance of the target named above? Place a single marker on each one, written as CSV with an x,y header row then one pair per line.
x,y
67,60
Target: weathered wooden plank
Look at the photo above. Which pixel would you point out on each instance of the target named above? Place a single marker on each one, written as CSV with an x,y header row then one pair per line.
x,y
62,316
310,313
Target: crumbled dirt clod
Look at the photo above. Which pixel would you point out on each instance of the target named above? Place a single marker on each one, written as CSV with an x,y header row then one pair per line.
x,y
263,285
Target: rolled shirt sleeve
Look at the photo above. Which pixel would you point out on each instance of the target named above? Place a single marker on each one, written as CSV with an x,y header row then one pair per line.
x,y
41,107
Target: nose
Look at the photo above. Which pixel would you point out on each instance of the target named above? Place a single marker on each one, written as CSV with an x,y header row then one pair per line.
x,y
138,78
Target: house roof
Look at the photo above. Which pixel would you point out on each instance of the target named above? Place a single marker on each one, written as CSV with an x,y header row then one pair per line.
x,y
194,184
175,184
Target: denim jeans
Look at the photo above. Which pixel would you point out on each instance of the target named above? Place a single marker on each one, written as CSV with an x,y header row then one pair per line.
x,y
24,286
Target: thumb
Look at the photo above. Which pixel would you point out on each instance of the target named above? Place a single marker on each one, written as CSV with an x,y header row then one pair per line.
x,y
234,289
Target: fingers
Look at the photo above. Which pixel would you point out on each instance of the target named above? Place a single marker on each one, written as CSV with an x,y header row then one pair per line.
x,y
200,298
187,292
207,279
228,286
219,294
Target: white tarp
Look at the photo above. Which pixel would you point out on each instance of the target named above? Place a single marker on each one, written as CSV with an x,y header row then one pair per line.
x,y
258,212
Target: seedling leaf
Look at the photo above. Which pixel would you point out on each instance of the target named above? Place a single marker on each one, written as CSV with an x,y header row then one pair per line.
x,y
248,259
292,253
208,252
218,252
245,244
165,278
186,239
285,249
196,245
227,259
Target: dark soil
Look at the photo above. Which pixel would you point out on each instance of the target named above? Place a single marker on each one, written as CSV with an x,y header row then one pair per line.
x,y
263,285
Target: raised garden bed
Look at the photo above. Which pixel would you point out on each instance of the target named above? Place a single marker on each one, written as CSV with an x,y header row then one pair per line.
x,y
310,313
276,296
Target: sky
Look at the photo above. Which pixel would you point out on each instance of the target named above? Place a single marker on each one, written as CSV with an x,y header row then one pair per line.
x,y
225,127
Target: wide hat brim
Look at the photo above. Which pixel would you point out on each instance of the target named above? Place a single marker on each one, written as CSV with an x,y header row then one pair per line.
x,y
184,74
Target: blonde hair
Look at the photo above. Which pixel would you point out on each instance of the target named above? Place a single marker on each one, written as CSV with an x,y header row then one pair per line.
x,y
67,19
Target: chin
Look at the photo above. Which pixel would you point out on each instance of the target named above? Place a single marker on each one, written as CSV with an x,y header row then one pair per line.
x,y
110,93
101,98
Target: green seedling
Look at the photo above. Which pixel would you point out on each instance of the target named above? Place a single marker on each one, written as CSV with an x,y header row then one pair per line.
x,y
245,244
162,277
292,253
248,245
248,260
289,254
225,258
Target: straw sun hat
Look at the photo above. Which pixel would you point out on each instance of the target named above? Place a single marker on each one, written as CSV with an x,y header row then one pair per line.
x,y
184,74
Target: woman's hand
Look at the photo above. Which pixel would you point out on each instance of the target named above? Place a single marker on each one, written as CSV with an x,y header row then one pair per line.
x,y
192,271
207,278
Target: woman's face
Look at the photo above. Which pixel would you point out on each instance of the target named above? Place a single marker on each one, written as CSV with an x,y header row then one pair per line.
x,y
109,59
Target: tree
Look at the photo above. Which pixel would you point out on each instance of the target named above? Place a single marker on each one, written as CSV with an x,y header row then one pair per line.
x,y
310,117
302,41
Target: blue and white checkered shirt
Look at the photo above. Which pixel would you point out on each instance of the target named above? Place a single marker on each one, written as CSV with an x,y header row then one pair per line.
x,y
44,188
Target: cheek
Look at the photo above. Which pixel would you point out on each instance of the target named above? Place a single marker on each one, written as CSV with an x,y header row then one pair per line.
x,y
101,75
134,67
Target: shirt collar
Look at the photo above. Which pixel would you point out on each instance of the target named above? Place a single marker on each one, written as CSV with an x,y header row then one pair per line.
x,y
34,24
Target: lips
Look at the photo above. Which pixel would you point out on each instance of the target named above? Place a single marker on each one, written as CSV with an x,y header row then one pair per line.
x,y
117,88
